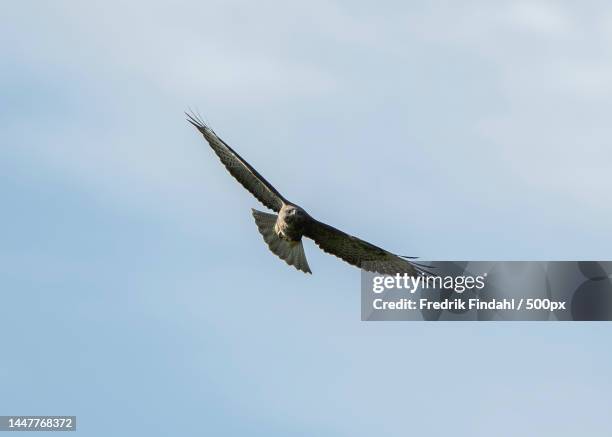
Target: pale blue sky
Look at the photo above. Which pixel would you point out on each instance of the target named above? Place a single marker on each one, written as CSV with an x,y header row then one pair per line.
x,y
138,294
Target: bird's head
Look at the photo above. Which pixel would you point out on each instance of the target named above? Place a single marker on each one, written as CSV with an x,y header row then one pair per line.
x,y
295,214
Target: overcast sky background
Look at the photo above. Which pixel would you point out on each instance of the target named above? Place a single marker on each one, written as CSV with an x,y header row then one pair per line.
x,y
137,293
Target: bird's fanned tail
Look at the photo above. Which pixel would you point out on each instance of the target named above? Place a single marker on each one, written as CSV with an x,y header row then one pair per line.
x,y
292,252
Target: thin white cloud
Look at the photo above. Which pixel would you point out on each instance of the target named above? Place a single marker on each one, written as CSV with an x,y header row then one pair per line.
x,y
541,17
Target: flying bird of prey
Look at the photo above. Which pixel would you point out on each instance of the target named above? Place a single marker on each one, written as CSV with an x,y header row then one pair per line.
x,y
284,230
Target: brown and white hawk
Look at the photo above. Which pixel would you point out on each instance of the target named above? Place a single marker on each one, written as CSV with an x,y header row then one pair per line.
x,y
283,231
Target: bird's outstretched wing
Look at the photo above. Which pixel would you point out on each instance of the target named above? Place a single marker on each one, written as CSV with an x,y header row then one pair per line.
x,y
239,168
360,253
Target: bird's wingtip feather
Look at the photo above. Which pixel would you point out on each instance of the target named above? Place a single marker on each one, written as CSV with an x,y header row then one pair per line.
x,y
196,120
